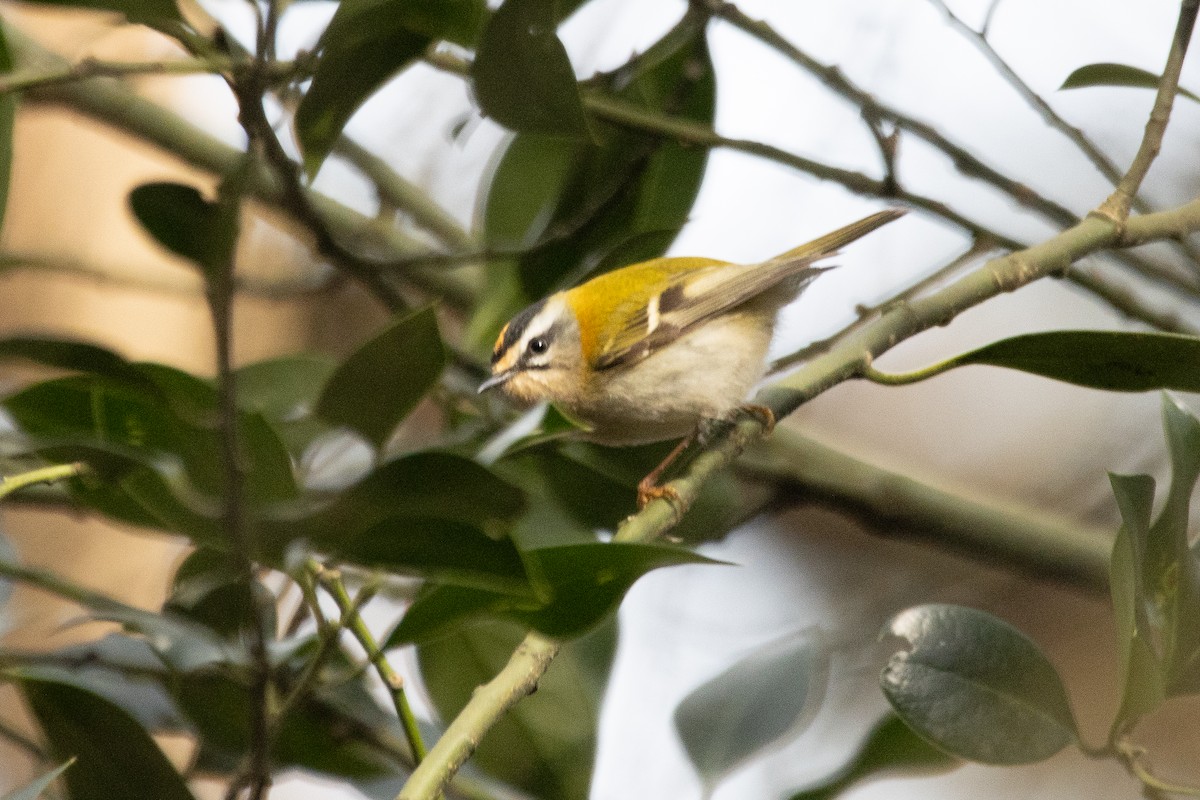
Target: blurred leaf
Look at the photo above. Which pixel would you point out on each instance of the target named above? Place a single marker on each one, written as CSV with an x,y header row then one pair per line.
x,y
446,551
178,217
573,202
34,789
115,757
1117,75
764,697
77,357
213,588
374,389
284,391
976,687
546,744
1171,573
1141,677
150,12
180,643
582,584
8,114
366,43
312,736
432,484
522,76
890,748
1112,360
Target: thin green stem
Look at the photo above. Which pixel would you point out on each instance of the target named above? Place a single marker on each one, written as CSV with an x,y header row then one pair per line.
x,y
50,474
1116,207
869,372
331,582
25,79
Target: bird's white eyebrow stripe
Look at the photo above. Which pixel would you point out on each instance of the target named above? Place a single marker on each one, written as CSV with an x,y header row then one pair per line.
x,y
652,316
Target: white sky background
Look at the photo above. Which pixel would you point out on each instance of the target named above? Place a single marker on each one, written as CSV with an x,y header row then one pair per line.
x,y
1007,435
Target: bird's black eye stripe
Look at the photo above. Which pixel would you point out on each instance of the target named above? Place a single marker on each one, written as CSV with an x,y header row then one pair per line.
x,y
538,345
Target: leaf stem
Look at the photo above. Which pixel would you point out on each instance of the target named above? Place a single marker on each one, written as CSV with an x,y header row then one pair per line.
x,y
331,581
50,474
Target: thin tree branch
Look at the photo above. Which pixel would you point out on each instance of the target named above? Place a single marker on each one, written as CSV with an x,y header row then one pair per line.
x,y
964,161
24,79
1116,207
50,474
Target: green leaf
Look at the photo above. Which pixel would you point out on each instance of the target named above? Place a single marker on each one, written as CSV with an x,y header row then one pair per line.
x,y
571,203
1113,360
215,589
521,74
1141,676
890,748
766,696
374,389
366,43
581,584
177,216
8,114
284,391
34,789
115,757
75,356
1105,74
546,744
976,687
149,12
434,485
446,551
1171,573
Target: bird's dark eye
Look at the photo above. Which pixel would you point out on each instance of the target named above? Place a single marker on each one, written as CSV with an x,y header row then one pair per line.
x,y
538,345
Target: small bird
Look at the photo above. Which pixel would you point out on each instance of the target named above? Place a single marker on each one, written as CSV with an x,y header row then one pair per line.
x,y
647,352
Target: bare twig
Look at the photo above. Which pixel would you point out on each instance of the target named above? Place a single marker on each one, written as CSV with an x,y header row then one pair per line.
x,y
1116,207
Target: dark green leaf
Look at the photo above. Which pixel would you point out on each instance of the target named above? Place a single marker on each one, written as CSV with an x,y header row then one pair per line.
x,y
284,391
522,76
581,583
976,687
115,757
1116,75
572,203
446,551
435,485
890,748
217,590
8,114
77,357
1141,675
177,216
766,696
1111,360
34,789
546,743
138,11
366,43
373,390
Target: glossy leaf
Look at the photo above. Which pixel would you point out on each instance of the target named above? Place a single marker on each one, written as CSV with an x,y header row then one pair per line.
x,y
366,43
374,389
1141,678
115,757
580,585
753,705
446,551
138,11
976,687
34,789
522,75
546,743
1108,74
1113,360
891,748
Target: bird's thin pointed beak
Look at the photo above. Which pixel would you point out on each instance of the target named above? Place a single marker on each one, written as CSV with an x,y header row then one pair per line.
x,y
495,380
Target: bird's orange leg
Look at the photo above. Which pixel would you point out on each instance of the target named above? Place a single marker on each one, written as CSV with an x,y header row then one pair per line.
x,y
648,488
